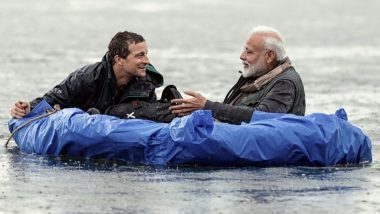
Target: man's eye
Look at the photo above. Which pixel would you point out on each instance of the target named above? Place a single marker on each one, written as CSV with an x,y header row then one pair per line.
x,y
248,51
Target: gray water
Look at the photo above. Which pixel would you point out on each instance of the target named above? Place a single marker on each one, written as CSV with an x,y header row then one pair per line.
x,y
334,45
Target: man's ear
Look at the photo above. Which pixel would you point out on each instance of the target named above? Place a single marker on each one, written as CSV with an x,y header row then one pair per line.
x,y
271,56
117,59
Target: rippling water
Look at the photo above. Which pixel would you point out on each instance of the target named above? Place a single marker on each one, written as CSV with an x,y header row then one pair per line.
x,y
196,45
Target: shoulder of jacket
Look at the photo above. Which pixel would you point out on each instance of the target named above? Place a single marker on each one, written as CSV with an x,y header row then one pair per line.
x,y
289,74
89,73
89,68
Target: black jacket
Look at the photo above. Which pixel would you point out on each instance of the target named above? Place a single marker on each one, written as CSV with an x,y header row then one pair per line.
x,y
94,86
283,94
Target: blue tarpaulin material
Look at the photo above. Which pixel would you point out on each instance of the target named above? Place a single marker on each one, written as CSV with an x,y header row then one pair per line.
x,y
270,139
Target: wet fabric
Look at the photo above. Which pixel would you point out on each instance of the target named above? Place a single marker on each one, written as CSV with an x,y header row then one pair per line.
x,y
284,93
269,139
94,86
157,111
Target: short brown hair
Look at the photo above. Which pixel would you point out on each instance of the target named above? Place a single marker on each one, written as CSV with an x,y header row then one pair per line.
x,y
119,44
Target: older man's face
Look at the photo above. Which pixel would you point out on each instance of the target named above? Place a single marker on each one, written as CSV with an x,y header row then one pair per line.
x,y
253,57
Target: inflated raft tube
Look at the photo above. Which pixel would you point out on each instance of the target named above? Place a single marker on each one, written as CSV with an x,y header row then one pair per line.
x,y
270,139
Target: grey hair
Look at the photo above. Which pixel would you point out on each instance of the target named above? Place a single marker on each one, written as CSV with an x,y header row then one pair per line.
x,y
274,43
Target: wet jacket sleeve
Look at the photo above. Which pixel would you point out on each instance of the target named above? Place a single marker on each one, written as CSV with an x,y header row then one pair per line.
x,y
68,93
279,99
229,113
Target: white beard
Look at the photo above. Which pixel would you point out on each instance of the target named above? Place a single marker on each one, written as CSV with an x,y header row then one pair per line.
x,y
250,71
253,70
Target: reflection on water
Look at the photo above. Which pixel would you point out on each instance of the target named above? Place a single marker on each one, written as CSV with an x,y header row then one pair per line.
x,y
89,186
195,45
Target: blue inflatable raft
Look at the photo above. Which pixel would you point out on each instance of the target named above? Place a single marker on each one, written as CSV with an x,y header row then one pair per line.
x,y
270,139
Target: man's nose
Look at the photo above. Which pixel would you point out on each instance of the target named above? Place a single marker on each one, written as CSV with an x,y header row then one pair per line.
x,y
243,56
146,60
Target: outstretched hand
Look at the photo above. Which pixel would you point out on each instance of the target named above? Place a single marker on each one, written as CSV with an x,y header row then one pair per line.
x,y
183,107
20,109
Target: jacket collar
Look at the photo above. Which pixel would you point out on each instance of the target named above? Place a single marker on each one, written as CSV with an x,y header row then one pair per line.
x,y
258,83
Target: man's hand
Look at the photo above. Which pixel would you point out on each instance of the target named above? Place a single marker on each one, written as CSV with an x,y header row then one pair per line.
x,y
183,107
20,109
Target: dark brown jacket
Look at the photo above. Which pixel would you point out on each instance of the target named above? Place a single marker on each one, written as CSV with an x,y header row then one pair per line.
x,y
283,94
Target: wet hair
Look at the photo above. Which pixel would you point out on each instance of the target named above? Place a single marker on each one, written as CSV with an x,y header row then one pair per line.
x,y
272,40
119,44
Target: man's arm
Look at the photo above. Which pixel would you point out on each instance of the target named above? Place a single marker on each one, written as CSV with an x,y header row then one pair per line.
x,y
230,113
279,99
67,93
221,111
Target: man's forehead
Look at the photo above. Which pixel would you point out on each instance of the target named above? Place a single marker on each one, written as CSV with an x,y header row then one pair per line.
x,y
255,41
137,47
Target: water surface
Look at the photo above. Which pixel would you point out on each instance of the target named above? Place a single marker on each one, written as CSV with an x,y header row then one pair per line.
x,y
334,45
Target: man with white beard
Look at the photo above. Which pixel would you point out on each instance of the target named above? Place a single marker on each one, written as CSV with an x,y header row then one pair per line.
x,y
268,83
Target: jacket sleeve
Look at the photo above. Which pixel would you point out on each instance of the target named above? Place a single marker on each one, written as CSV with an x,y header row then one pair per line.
x,y
229,113
68,93
279,99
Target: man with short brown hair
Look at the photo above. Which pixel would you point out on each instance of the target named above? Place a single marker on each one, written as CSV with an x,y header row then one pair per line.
x,y
123,74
